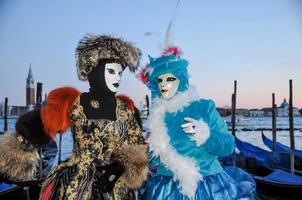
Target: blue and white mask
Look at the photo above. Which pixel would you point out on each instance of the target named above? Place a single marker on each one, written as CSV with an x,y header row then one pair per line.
x,y
168,85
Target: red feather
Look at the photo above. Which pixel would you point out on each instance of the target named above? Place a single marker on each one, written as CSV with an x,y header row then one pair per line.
x,y
172,50
143,75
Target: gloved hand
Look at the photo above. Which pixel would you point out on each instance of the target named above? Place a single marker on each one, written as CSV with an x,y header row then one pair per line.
x,y
199,130
111,173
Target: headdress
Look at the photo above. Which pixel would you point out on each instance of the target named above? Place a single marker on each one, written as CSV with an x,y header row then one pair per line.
x,y
94,48
169,62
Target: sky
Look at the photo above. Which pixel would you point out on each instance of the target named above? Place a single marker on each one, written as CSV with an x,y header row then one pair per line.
x,y
256,42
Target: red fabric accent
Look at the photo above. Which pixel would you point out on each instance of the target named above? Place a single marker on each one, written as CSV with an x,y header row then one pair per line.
x,y
56,114
127,100
47,192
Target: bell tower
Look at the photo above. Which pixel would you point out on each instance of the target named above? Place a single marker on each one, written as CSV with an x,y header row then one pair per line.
x,y
30,88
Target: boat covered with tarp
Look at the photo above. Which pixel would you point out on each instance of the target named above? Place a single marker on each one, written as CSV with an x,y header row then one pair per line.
x,y
271,183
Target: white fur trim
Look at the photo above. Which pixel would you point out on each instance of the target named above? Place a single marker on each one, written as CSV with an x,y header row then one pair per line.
x,y
179,101
185,169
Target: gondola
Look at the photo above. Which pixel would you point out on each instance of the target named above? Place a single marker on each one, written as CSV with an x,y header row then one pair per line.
x,y
28,190
284,153
278,184
248,156
255,156
271,183
280,147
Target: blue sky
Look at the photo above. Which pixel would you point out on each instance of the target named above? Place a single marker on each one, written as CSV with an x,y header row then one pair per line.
x,y
256,42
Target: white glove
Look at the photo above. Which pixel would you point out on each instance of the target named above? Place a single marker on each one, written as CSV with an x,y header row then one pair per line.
x,y
198,129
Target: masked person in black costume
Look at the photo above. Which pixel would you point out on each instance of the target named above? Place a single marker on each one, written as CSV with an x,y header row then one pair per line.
x,y
109,154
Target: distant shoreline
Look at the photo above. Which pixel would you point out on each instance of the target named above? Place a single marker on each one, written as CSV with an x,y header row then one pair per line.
x,y
10,117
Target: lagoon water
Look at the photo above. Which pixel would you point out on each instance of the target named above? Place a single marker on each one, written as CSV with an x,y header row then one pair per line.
x,y
254,137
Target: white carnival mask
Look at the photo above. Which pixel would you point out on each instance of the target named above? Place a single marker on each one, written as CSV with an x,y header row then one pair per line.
x,y
113,75
168,85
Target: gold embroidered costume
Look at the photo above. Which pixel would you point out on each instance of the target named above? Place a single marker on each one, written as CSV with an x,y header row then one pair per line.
x,y
94,142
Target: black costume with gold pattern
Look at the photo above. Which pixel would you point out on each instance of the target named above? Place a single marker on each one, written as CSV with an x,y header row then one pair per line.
x,y
109,155
94,142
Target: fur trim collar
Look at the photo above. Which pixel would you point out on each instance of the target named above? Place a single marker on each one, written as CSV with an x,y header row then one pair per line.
x,y
185,169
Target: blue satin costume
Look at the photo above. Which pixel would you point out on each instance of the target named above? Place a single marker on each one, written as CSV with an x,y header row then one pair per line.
x,y
216,183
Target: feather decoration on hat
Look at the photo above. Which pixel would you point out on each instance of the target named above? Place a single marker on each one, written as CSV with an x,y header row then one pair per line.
x,y
169,38
143,75
173,50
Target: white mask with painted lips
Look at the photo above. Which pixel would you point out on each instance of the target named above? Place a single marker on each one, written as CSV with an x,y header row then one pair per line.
x,y
168,85
113,75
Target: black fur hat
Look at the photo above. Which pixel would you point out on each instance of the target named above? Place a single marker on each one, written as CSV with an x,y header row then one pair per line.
x,y
94,48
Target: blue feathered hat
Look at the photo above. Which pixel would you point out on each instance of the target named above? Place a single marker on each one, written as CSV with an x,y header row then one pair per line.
x,y
170,62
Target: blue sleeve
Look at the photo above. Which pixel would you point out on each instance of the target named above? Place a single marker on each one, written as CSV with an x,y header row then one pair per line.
x,y
221,142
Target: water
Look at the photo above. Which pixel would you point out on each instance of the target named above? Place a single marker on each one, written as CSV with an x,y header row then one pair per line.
x,y
264,122
253,137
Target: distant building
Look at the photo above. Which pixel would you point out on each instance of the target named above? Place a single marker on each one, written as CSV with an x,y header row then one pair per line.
x,y
282,110
17,110
30,89
267,112
224,111
243,112
256,113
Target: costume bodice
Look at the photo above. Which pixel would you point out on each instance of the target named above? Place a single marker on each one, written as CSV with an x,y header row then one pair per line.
x,y
94,142
96,139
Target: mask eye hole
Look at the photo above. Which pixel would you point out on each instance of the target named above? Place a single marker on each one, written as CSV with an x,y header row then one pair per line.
x,y
120,73
171,79
160,80
111,71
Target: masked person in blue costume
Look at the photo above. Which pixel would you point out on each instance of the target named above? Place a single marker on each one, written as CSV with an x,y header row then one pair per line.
x,y
186,136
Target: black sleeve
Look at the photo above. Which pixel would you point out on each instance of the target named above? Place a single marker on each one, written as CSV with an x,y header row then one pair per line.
x,y
30,126
138,117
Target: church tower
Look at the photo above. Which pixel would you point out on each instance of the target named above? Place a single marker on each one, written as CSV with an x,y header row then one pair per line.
x,y
30,89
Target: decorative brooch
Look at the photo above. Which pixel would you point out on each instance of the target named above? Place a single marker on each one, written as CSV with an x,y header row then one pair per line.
x,y
95,104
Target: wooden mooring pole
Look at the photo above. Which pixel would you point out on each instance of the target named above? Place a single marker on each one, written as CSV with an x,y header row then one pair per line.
x,y
38,105
291,128
5,114
148,105
274,132
233,119
39,95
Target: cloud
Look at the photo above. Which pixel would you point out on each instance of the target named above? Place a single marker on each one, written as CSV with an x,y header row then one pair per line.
x,y
151,33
